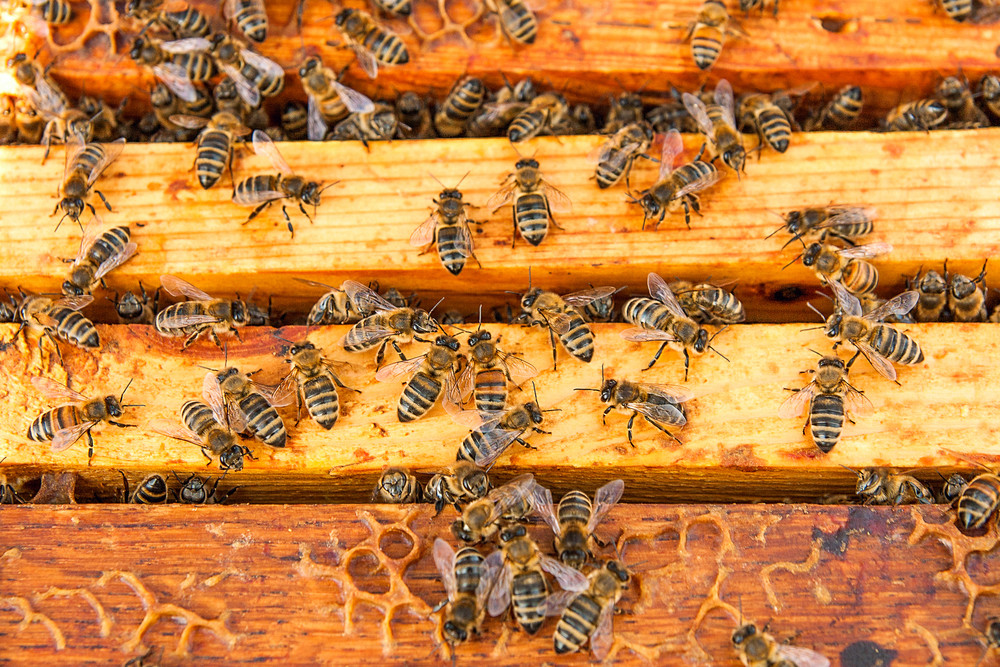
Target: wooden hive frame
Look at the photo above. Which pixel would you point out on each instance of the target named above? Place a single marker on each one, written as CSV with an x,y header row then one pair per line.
x,y
339,581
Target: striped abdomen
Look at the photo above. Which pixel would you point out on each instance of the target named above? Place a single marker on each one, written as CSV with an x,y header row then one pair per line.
x,y
719,304
387,48
576,624
418,397
459,106
197,65
519,22
852,230
447,247
260,183
608,173
958,10
528,591
647,313
267,85
151,491
111,242
214,149
251,21
176,310
859,276
531,211
526,125
575,506
490,390
706,44
198,417
845,107
56,12
826,420
774,125
47,424
473,447
321,399
468,570
356,340
263,420
578,339
895,345
978,501
188,22
73,327
691,172
88,159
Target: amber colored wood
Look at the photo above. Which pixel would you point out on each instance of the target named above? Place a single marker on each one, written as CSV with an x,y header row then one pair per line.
x,y
893,49
734,445
348,584
932,193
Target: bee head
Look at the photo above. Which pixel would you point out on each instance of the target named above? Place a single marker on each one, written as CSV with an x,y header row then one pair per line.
x,y
451,194
608,390
423,322
311,193
744,633
811,253
255,316
534,412
527,162
455,633
530,297
476,483
734,157
232,458
618,569
70,288
19,58
513,532
461,531
479,337
961,286
794,221
836,362
448,342
650,206
310,65
343,17
701,341
113,407
135,52
868,481
932,283
226,373
301,347
953,487
72,207
833,324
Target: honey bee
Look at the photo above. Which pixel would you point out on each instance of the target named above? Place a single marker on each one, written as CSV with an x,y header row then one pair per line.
x,y
533,201
58,320
372,43
911,116
250,406
152,490
989,91
179,18
840,112
104,121
588,615
132,309
623,110
249,16
414,116
708,304
480,520
84,164
546,113
206,427
334,307
329,101
504,106
560,316
397,486
488,370
254,75
846,223
463,483
581,119
718,123
659,404
388,325
880,486
493,433
262,191
574,520
520,566
978,501
178,64
315,384
215,144
166,104
620,151
517,20
432,375
203,313
295,120
967,297
881,344
600,310
462,102
447,230
933,296
676,187
708,32
8,495
29,122
970,11
467,582
380,125
100,251
36,86
194,491
661,318
759,649
870,302
830,397
63,425
397,7
671,115
954,93
770,121
992,634
61,122
952,488
846,265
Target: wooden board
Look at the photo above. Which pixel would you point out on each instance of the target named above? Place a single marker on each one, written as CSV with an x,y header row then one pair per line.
x,y
238,585
929,208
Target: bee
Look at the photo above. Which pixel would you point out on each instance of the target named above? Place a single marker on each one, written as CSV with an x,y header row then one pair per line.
x,y
881,344
372,43
548,113
600,310
846,265
180,19
215,144
204,313
503,107
29,122
488,370
387,325
708,32
978,501
587,615
661,318
467,582
492,434
671,115
676,187
380,125
329,101
315,384
718,123
85,162
194,491
560,316
295,120
58,319
770,121
620,151
104,121
870,302
262,191
206,427
8,495
65,424
880,486
397,486
250,406
463,483
249,16
8,120
623,111
952,488
100,251
517,20
53,12
432,375
166,105
152,490
989,90
759,649
397,7
414,116
581,119
178,64
830,396
480,520
708,304
334,307
533,201
37,87
254,75
659,404
932,289
911,116
847,223
132,309
464,99
520,583
967,297
61,120
840,112
574,520
954,93
447,229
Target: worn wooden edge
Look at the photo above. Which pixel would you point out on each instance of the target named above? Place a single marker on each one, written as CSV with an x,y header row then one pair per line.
x,y
734,447
928,207
321,584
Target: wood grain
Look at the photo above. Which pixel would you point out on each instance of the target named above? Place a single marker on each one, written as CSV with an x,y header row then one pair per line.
x,y
930,207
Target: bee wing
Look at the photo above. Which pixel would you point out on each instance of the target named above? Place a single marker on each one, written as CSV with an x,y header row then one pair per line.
x,y
424,234
368,333
699,112
180,321
463,242
878,362
90,234
520,370
174,286
366,60
507,497
475,419
316,128
673,146
67,436
467,381
494,111
45,98
262,145
487,580
793,406
699,184
364,298
601,640
568,578
558,201
602,152
665,414
248,197
845,215
75,302
262,64
189,45
556,603
111,152
352,99
724,98
55,391
503,196
74,146
176,79
541,503
394,370
866,251
847,301
857,403
500,594
190,122
638,335
801,656
607,497
584,297
900,304
277,395
174,430
673,392
244,87
444,559
659,290
560,322
225,413
118,258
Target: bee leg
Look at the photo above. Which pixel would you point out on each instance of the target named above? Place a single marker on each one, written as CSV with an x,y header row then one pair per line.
x,y
90,446
687,363
631,420
190,339
120,425
604,415
702,152
101,195
257,211
660,427
205,453
656,356
513,236
395,346
525,444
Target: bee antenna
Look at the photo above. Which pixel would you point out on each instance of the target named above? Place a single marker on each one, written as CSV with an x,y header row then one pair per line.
x,y
709,340
797,237
851,469
534,389
816,310
585,389
325,187
435,306
214,370
507,291
462,179
815,352
718,353
480,317
967,459
439,180
602,375
122,398
797,258
823,294
529,277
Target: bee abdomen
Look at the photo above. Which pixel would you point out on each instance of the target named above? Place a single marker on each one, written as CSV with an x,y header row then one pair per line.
x,y
189,22
263,420
846,106
198,417
859,277
524,26
387,48
197,66
468,570
706,44
74,328
88,159
57,12
491,390
151,491
576,624
959,10
213,153
646,313
896,346
776,129
258,183
447,247
532,214
528,593
471,447
826,420
526,125
419,396
579,339
109,243
979,501
692,172
46,425
322,400
252,23
574,506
